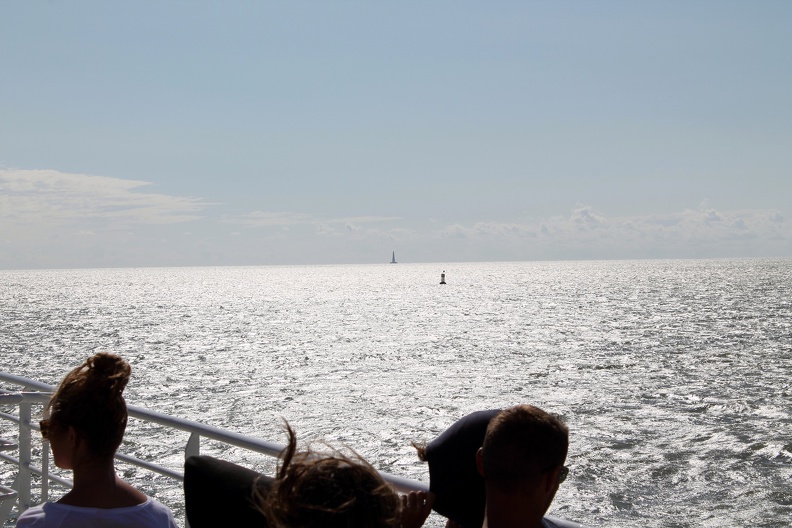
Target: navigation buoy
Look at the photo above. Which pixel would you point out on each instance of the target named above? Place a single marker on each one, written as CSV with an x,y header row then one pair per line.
x,y
442,278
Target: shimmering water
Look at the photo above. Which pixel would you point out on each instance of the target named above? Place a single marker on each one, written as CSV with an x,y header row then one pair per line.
x,y
674,376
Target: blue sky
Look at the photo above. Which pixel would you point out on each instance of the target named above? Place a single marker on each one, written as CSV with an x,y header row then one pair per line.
x,y
251,133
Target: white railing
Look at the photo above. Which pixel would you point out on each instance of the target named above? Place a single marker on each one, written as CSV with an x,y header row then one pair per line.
x,y
33,392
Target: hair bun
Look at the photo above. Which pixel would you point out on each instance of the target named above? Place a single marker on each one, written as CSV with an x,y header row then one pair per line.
x,y
110,371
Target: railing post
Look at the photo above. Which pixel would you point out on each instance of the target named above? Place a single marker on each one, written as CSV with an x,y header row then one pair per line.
x,y
193,447
45,452
24,456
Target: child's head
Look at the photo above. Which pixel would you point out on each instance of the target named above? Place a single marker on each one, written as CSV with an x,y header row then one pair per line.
x,y
329,490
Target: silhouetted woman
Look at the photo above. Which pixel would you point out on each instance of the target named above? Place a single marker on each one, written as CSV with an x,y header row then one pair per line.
x,y
88,416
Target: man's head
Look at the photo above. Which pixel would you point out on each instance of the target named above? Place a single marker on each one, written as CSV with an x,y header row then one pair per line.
x,y
524,452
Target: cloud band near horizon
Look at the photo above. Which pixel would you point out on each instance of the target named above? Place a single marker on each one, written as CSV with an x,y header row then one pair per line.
x,y
49,211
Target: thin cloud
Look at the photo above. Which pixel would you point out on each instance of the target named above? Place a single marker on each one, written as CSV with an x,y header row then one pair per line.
x,y
592,232
364,219
585,218
268,219
55,219
283,218
29,197
484,230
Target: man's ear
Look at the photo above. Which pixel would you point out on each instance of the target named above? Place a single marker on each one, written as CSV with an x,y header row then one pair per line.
x,y
550,483
480,462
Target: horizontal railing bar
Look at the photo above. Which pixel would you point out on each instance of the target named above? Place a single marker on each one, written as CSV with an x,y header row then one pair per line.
x,y
208,431
15,419
7,492
215,433
9,417
37,470
8,445
15,398
25,382
150,466
119,456
250,443
404,484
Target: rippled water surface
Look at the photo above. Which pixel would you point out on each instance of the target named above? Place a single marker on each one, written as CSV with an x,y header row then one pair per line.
x,y
674,376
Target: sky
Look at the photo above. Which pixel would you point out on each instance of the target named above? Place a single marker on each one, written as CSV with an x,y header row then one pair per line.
x,y
204,133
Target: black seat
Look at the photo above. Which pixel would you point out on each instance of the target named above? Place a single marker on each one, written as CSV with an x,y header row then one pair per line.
x,y
219,493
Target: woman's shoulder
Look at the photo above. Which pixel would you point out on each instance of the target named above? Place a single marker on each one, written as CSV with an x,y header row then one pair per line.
x,y
161,514
149,514
39,516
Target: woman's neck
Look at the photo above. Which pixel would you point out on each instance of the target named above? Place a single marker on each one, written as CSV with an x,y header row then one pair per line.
x,y
96,485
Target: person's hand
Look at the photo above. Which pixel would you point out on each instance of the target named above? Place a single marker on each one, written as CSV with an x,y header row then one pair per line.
x,y
416,507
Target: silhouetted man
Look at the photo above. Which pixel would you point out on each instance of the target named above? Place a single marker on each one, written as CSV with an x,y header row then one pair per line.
x,y
522,462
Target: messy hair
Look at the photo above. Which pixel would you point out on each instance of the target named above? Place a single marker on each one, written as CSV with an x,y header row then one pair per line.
x,y
90,399
328,490
420,450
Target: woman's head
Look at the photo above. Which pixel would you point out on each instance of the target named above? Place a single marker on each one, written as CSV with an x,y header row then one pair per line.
x,y
90,399
328,490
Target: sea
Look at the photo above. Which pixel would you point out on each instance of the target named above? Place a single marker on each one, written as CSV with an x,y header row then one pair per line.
x,y
674,376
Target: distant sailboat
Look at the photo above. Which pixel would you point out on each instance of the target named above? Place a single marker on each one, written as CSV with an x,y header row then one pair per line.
x,y
393,259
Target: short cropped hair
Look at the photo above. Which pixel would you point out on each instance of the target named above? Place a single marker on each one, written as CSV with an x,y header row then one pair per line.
x,y
329,490
522,442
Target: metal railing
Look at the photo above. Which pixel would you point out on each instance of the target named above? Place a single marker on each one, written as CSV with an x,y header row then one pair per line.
x,y
35,393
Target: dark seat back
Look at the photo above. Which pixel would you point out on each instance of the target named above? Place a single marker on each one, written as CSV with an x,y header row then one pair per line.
x,y
219,493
